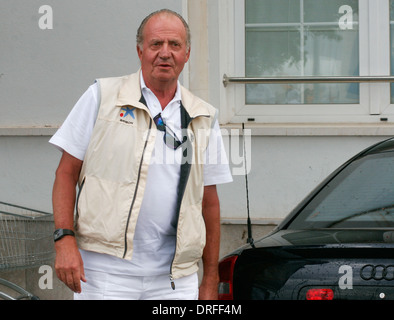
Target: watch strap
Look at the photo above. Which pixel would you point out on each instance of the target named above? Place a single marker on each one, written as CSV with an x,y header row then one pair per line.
x,y
60,233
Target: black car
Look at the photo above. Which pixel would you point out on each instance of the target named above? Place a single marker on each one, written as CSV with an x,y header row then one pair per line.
x,y
338,243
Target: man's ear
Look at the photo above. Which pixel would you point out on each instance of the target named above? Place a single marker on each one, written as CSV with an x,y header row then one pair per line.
x,y
139,52
188,55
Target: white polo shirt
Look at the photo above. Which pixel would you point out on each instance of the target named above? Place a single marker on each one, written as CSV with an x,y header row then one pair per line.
x,y
154,239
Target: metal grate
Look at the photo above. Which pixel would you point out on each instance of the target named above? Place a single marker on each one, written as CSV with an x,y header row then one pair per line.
x,y
25,237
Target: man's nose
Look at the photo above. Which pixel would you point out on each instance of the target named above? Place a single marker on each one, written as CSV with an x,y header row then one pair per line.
x,y
165,51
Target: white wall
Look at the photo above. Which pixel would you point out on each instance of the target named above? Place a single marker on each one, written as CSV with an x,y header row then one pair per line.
x,y
43,72
27,171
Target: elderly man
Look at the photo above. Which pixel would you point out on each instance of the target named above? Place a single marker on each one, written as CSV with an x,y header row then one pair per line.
x,y
147,156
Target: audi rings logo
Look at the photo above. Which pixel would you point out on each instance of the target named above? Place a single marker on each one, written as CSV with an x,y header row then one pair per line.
x,y
378,272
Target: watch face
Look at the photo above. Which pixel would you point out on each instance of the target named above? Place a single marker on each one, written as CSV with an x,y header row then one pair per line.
x,y
57,234
60,233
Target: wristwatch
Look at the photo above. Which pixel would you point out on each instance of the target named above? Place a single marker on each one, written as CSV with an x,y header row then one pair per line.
x,y
60,233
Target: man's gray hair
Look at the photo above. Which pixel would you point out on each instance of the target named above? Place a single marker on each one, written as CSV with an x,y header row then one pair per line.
x,y
140,32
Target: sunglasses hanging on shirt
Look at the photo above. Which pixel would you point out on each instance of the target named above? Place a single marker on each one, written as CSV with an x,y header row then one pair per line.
x,y
169,138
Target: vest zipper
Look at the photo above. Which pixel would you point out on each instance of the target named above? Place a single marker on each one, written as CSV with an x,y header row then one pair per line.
x,y
176,234
172,282
179,209
176,238
136,189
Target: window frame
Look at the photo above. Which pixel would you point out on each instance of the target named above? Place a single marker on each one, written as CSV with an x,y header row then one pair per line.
x,y
374,51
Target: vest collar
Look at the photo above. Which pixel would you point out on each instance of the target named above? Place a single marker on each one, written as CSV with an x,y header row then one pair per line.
x,y
130,95
130,92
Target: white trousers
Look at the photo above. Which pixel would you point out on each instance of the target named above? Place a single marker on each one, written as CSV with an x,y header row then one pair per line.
x,y
105,286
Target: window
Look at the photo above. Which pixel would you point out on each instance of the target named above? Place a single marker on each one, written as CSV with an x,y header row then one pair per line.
x,y
360,196
304,40
311,38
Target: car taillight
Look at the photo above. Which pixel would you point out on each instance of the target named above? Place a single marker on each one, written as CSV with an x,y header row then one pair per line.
x,y
226,270
320,294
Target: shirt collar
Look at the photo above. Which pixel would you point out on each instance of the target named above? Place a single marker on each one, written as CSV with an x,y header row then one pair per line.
x,y
177,96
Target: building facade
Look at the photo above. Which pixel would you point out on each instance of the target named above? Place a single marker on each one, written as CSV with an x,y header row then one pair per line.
x,y
306,82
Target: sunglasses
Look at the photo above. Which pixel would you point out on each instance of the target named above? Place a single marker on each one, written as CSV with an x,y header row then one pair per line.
x,y
169,138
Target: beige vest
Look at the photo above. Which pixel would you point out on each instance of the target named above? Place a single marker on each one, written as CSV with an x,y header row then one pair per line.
x,y
113,177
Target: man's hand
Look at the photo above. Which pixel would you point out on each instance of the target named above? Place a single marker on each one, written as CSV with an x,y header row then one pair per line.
x,y
209,288
68,263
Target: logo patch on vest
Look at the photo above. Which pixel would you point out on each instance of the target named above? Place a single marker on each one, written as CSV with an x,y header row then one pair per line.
x,y
127,112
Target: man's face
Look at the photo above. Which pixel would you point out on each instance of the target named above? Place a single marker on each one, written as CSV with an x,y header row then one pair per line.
x,y
164,51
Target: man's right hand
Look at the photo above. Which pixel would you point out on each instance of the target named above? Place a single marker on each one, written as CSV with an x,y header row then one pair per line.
x,y
69,264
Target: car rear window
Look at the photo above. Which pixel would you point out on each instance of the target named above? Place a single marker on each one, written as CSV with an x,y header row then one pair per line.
x,y
360,196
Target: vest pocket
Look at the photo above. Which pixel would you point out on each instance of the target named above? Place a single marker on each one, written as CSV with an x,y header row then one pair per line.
x,y
191,235
102,211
